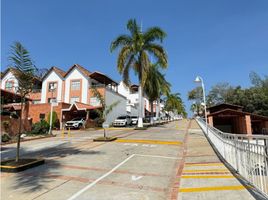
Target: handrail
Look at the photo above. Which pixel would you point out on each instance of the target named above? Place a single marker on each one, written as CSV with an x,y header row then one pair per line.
x,y
247,154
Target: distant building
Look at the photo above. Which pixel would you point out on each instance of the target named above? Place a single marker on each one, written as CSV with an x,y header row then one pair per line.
x,y
231,118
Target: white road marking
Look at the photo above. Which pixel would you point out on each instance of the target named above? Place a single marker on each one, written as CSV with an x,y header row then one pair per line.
x,y
155,156
135,178
74,196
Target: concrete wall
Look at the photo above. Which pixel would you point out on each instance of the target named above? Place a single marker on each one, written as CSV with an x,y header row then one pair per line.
x,y
120,109
76,74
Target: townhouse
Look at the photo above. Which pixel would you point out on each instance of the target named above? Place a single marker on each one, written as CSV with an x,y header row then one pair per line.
x,y
70,94
132,95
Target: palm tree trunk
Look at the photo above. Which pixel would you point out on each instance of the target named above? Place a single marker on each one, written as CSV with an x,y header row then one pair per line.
x,y
140,113
19,134
152,112
158,110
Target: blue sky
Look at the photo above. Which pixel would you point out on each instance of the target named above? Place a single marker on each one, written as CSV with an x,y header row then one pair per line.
x,y
220,40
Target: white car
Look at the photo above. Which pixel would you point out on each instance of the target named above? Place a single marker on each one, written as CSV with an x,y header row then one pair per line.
x,y
122,121
75,123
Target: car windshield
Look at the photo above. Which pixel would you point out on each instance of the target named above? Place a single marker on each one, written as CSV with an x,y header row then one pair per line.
x,y
76,119
122,117
134,117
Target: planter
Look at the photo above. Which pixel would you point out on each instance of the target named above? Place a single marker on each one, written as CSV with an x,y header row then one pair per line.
x,y
23,164
104,139
141,128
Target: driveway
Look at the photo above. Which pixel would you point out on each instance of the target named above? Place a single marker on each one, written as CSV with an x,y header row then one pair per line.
x,y
139,165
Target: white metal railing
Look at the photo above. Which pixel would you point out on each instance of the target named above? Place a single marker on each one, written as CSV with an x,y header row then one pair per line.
x,y
248,155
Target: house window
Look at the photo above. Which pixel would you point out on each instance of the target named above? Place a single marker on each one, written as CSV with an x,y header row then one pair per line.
x,y
42,116
74,99
52,85
94,101
36,101
51,100
75,85
9,85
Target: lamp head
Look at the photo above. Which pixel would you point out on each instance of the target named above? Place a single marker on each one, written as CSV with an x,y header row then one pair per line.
x,y
197,79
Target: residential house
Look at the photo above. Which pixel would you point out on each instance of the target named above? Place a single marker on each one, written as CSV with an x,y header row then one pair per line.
x,y
9,85
71,95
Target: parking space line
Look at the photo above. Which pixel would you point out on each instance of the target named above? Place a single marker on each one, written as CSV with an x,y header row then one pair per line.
x,y
149,141
74,196
204,189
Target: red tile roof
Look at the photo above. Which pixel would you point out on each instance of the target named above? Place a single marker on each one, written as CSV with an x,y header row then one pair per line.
x,y
80,68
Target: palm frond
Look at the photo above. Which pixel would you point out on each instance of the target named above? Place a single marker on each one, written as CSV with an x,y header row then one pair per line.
x,y
123,56
133,27
121,41
153,34
159,53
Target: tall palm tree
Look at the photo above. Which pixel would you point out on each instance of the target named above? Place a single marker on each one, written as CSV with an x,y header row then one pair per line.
x,y
25,70
134,53
155,85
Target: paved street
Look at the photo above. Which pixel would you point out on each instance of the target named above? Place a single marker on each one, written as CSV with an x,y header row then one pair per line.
x,y
173,161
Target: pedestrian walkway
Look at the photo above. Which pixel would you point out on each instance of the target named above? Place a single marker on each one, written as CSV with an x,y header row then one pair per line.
x,y
204,176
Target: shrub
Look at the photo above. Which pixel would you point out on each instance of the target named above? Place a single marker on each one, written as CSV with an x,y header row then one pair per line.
x,y
6,125
5,138
54,119
40,128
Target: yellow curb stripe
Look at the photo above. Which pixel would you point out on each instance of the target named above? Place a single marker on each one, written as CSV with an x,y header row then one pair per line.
x,y
207,170
207,177
13,167
203,189
149,142
205,164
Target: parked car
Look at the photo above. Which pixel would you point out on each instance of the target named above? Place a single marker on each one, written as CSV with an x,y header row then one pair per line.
x,y
75,123
134,120
124,120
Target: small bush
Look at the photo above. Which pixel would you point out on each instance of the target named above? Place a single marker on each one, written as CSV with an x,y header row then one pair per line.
x,y
5,138
40,128
6,125
55,120
99,122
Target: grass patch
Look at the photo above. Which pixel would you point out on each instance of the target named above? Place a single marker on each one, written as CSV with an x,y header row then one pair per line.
x,y
23,164
104,139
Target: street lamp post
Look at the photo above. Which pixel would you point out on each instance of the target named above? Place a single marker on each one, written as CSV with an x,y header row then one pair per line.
x,y
199,79
51,109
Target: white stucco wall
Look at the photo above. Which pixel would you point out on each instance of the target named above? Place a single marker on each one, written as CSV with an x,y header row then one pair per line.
x,y
123,89
76,74
120,109
52,76
9,77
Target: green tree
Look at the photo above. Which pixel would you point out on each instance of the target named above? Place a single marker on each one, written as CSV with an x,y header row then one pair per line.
x,y
196,95
134,53
155,85
24,73
174,103
253,99
218,94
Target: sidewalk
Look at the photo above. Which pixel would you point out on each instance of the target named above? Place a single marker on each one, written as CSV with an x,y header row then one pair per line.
x,y
204,176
